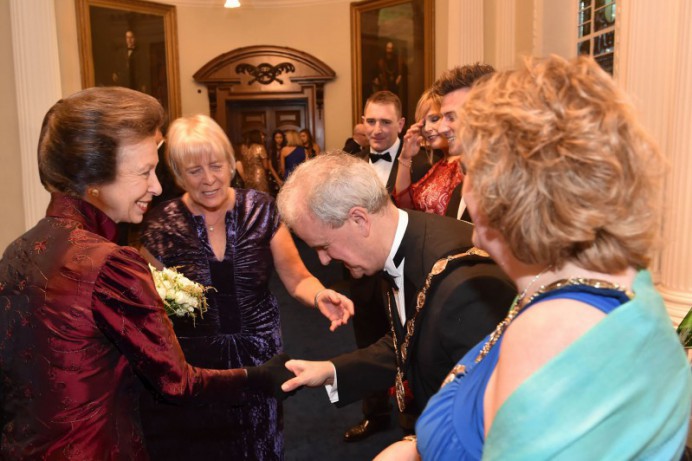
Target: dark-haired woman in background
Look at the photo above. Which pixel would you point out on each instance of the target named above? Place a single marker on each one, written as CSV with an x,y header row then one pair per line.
x,y
82,327
277,143
308,142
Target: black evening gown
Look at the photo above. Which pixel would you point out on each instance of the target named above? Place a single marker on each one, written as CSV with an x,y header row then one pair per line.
x,y
241,328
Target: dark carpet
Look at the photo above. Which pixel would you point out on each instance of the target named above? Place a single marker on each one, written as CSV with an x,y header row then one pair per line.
x,y
313,427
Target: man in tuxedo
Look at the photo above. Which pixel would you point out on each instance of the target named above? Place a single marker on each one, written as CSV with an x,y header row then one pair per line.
x,y
358,142
339,207
382,124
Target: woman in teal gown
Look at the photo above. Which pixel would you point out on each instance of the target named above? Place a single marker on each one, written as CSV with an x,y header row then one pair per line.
x,y
562,185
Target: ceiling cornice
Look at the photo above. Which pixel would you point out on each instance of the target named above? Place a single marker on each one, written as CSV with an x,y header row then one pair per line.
x,y
251,3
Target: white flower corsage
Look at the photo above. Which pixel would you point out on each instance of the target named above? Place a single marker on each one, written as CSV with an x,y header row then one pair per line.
x,y
181,296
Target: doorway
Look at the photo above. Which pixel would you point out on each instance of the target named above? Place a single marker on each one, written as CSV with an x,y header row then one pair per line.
x,y
264,115
266,87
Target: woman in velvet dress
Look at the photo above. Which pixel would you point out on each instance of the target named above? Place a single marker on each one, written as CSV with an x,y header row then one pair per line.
x,y
82,327
230,240
564,188
293,154
439,191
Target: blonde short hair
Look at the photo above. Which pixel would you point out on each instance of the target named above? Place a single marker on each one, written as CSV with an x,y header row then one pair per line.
x,y
561,167
292,138
190,137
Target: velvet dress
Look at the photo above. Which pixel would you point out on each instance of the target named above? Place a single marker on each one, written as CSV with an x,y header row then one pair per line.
x,y
241,328
81,329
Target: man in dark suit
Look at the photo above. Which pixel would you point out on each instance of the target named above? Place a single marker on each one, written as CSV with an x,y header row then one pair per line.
x,y
361,227
131,65
382,124
358,142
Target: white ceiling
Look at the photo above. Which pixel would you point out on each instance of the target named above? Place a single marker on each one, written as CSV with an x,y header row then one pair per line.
x,y
251,3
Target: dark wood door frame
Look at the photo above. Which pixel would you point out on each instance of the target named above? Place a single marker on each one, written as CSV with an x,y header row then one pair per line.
x,y
265,116
266,72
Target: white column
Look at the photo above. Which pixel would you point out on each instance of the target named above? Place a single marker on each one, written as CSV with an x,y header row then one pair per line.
x,y
505,28
654,66
537,36
676,258
465,26
37,77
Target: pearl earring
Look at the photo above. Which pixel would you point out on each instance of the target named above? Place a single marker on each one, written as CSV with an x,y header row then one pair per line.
x,y
94,192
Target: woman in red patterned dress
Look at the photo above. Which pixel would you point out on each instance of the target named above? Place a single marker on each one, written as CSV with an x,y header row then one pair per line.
x,y
439,191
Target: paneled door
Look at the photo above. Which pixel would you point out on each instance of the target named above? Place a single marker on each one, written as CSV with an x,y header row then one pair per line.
x,y
264,115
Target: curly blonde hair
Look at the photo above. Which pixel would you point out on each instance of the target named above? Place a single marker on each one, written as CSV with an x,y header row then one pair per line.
x,y
561,167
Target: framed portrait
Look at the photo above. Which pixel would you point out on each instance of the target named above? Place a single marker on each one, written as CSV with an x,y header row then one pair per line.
x,y
130,43
392,49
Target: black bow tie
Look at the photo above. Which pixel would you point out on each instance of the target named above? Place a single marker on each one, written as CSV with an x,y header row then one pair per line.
x,y
389,278
375,157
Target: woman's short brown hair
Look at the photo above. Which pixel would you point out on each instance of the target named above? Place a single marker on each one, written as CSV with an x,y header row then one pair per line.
x,y
560,166
81,134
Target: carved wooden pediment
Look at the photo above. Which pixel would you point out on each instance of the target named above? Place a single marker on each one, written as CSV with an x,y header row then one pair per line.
x,y
266,72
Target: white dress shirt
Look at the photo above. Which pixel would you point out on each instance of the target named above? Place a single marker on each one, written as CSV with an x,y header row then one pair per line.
x,y
398,274
382,167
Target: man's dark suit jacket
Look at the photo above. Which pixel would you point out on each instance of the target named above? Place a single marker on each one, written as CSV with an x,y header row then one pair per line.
x,y
351,147
464,305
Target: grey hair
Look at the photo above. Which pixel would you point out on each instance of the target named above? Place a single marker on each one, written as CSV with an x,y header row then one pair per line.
x,y
328,187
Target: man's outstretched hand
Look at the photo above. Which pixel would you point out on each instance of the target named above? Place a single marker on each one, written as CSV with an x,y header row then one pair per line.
x,y
269,377
308,373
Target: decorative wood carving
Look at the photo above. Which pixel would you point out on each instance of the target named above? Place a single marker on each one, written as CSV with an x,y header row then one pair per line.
x,y
265,73
252,74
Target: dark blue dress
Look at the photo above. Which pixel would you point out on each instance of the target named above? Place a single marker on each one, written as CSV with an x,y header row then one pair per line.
x,y
293,159
452,426
241,328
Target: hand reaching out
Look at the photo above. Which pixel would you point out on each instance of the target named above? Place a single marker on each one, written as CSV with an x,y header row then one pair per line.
x,y
269,377
335,306
308,373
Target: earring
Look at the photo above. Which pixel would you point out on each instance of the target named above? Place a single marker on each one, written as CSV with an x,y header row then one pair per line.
x,y
94,192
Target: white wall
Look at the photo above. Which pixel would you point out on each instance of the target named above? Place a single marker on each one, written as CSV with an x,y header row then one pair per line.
x,y
11,208
320,30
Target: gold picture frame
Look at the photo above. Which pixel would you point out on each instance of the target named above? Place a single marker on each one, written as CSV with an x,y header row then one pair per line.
x,y
392,47
132,43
